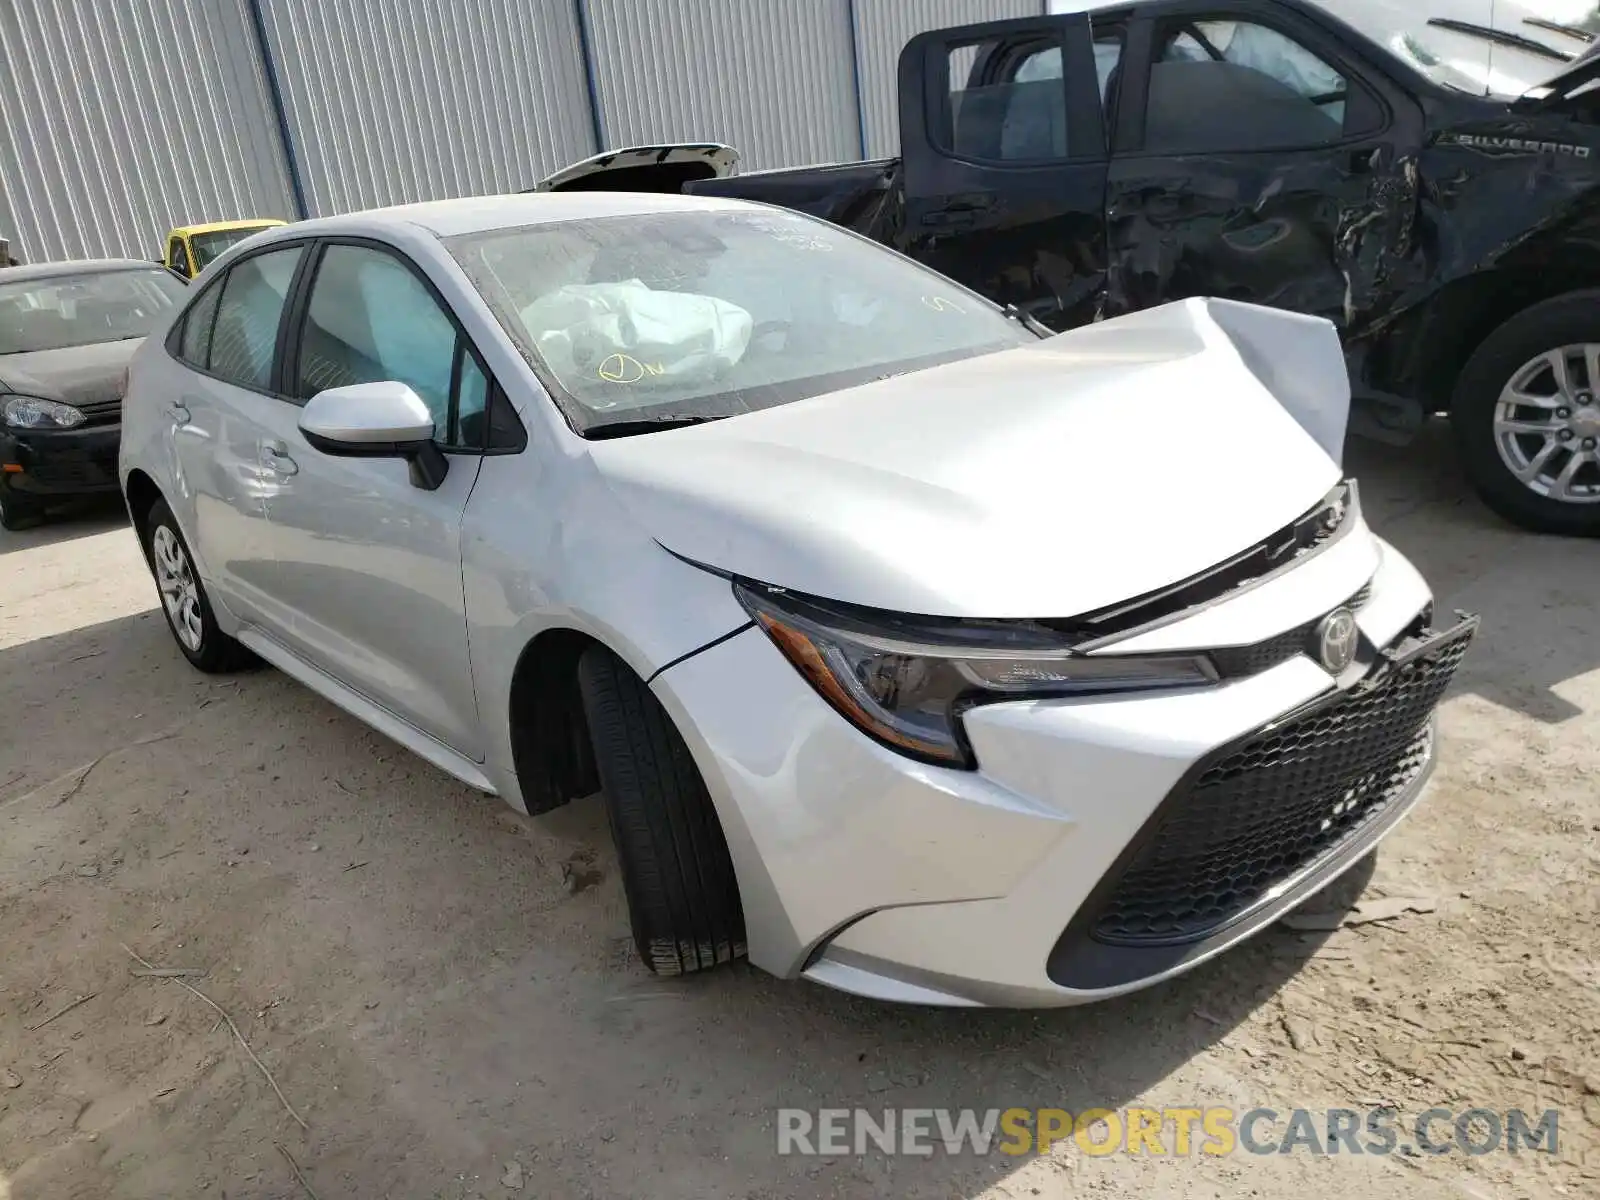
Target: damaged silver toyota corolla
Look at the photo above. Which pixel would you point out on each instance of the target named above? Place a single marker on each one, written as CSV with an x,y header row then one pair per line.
x,y
915,654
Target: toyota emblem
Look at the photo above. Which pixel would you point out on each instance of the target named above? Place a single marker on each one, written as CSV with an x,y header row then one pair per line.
x,y
1337,637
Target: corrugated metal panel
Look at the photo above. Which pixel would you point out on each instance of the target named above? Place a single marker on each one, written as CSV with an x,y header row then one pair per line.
x,y
883,27
772,77
119,121
391,101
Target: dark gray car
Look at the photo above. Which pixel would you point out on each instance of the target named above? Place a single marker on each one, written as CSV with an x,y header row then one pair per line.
x,y
67,330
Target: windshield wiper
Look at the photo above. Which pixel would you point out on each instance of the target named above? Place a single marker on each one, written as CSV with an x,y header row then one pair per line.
x,y
1572,31
1501,38
616,429
1029,322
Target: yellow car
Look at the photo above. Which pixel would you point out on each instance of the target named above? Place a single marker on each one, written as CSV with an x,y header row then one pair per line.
x,y
191,247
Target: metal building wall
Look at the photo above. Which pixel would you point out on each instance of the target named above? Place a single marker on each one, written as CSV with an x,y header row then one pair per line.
x,y
393,102
883,27
119,121
772,77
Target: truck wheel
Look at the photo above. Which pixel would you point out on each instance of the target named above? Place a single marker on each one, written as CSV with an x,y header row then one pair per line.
x,y
683,898
1526,416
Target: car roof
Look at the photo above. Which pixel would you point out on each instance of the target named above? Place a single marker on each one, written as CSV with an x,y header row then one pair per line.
x,y
81,266
221,226
475,214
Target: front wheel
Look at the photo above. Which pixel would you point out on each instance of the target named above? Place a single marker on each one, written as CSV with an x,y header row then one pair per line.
x,y
17,513
183,597
1526,416
683,899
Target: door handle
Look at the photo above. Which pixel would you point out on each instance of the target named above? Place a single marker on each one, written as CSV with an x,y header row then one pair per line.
x,y
971,202
275,457
179,412
961,209
946,218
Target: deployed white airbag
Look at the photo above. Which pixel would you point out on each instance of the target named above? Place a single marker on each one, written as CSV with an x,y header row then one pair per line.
x,y
630,333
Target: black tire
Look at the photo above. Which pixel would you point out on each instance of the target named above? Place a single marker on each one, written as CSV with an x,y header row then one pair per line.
x,y
15,511
216,652
683,898
1566,320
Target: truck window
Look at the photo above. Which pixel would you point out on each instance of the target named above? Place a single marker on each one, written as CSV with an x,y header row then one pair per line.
x,y
1236,85
1007,101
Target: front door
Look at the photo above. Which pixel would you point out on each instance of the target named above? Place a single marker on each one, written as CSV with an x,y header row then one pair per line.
x,y
368,563
1256,160
1003,143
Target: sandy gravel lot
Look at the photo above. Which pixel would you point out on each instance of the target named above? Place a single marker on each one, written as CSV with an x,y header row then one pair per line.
x,y
451,1004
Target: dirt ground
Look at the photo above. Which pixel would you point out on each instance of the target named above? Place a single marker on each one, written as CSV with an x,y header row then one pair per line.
x,y
451,1003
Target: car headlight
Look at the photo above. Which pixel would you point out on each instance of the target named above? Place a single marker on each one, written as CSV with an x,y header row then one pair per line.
x,y
905,681
34,412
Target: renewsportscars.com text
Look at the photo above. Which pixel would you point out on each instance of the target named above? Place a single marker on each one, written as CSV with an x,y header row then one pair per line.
x,y
1180,1132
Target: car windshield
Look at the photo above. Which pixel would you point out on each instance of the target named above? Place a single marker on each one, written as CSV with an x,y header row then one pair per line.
x,y
59,311
209,246
699,315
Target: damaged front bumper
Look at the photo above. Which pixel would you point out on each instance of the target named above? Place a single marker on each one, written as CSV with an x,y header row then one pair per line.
x,y
1102,844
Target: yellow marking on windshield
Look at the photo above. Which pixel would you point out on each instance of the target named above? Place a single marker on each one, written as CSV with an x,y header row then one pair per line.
x,y
624,368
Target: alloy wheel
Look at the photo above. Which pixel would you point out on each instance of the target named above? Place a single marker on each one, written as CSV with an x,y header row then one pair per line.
x,y
1547,424
180,593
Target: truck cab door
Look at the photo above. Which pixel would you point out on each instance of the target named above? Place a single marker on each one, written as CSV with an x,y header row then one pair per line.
x,y
1004,150
1258,157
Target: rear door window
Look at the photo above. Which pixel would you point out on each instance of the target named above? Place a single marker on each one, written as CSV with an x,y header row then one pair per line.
x,y
249,310
1007,101
194,347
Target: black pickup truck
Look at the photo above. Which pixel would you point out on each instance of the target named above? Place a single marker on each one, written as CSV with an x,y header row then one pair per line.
x,y
1083,165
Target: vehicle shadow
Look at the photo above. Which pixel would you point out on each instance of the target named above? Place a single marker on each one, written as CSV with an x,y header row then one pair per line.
x,y
72,520
1536,594
437,965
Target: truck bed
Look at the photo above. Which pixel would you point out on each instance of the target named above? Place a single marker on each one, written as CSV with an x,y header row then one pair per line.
x,y
862,196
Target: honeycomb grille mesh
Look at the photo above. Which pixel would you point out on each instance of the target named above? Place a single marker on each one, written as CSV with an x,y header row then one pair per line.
x,y
1274,805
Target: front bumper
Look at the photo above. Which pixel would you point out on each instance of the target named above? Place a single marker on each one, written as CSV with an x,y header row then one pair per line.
x,y
866,871
60,462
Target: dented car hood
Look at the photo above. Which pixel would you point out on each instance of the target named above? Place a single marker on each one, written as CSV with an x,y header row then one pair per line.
x,y
1045,481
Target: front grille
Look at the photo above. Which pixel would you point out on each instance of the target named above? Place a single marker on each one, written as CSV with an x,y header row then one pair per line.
x,y
1263,656
101,412
1267,808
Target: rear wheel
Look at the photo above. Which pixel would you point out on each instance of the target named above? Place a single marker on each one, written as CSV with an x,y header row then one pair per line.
x,y
1526,416
183,597
683,899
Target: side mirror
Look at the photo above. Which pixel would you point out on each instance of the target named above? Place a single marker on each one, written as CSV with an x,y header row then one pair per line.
x,y
376,420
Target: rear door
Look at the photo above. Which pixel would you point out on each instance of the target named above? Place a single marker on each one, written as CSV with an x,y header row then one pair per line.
x,y
1258,157
219,407
1004,149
